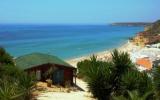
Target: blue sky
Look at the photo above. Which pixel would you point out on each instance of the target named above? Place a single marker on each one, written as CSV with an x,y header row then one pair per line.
x,y
78,11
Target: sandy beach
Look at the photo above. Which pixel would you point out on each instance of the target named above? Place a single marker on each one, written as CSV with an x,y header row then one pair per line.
x,y
105,55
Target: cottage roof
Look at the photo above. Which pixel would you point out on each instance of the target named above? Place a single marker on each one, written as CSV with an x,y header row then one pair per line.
x,y
36,59
144,62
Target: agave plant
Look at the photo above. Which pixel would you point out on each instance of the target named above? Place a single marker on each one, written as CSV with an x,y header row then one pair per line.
x,y
114,77
104,77
10,90
135,80
15,85
98,78
156,81
119,98
129,81
133,95
27,83
121,61
121,64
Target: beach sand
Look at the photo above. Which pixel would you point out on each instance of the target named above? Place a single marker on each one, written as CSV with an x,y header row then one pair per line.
x,y
104,55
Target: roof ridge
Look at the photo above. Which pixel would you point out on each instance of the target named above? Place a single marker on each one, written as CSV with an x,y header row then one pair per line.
x,y
32,59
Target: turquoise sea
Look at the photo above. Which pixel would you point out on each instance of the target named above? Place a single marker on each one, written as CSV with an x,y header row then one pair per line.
x,y
64,41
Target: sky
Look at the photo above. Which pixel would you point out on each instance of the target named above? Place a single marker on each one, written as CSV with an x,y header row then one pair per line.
x,y
78,11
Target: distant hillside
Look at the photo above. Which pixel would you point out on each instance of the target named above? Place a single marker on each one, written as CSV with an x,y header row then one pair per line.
x,y
132,24
154,28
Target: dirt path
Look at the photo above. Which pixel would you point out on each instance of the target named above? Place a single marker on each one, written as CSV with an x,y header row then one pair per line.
x,y
82,85
78,95
65,96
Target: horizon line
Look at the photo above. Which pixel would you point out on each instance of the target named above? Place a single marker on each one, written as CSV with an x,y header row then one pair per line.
x,y
76,23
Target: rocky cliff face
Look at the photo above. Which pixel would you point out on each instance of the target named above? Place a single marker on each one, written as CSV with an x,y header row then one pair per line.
x,y
150,35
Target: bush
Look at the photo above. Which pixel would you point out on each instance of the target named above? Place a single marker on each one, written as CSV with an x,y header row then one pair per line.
x,y
5,58
156,81
82,67
27,83
10,70
15,84
135,80
98,79
114,77
133,95
10,90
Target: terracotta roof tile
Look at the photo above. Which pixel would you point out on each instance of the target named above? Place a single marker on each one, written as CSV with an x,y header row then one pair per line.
x,y
144,62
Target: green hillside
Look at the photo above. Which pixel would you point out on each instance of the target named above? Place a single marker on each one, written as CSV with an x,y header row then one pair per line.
x,y
154,28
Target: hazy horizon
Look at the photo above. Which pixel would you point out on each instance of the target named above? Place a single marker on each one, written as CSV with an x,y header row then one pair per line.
x,y
78,12
72,24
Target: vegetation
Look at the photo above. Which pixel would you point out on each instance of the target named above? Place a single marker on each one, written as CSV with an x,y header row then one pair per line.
x,y
132,24
150,35
9,90
15,84
156,81
99,79
5,58
154,28
133,95
119,79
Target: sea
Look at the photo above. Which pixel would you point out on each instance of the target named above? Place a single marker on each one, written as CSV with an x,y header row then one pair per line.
x,y
64,41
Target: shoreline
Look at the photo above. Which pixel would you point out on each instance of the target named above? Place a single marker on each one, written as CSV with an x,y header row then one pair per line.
x,y
103,55
97,52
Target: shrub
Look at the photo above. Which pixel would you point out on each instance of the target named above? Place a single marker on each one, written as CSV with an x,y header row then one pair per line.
x,y
133,95
114,77
156,81
10,90
82,67
16,84
98,79
5,58
10,70
135,80
27,83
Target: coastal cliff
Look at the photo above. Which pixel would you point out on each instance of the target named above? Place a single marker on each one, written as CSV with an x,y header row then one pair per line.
x,y
131,24
150,35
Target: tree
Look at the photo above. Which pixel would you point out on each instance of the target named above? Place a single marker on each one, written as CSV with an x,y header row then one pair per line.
x,y
5,58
